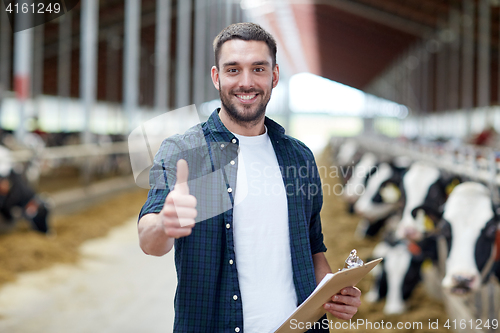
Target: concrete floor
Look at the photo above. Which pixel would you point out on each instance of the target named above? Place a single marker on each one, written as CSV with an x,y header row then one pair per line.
x,y
116,288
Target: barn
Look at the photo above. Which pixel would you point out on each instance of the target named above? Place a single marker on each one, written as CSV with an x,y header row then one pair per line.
x,y
391,108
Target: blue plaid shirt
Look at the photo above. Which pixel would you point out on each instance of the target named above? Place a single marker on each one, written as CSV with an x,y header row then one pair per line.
x,y
207,281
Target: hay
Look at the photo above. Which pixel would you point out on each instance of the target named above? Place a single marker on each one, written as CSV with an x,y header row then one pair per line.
x,y
25,250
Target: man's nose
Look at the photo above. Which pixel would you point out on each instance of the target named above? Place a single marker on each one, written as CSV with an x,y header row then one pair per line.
x,y
246,80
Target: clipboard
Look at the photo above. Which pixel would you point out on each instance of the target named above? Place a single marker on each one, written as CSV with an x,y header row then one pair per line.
x,y
311,310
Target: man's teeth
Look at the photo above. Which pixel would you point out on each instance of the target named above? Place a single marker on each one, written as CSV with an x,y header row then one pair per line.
x,y
246,96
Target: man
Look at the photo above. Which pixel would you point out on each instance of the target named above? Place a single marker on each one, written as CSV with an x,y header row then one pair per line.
x,y
17,198
259,253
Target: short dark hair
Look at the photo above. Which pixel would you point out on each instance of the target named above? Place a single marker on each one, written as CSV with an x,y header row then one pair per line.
x,y
244,31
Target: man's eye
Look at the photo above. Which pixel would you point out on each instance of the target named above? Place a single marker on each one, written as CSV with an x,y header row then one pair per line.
x,y
232,70
259,69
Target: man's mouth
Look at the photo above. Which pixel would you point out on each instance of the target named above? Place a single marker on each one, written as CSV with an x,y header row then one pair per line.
x,y
245,98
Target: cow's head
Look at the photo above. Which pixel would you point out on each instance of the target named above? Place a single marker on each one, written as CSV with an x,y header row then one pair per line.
x,y
396,278
347,153
355,186
382,195
426,191
470,223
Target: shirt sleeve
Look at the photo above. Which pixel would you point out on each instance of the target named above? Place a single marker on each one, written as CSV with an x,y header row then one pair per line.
x,y
161,177
315,231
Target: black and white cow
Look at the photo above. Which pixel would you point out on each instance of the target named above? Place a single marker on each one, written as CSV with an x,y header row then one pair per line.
x,y
347,157
17,199
400,271
426,190
381,199
33,168
395,278
470,222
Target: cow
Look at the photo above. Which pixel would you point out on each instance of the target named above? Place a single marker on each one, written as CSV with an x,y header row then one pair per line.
x,y
470,221
400,271
426,190
395,278
33,167
423,186
347,157
381,199
17,199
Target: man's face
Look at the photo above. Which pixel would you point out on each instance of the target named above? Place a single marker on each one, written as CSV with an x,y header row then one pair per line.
x,y
245,79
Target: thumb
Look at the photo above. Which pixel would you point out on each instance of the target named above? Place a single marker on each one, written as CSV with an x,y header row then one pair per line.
x,y
181,185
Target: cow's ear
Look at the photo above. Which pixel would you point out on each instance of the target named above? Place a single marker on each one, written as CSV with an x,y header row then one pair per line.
x,y
450,183
432,212
490,229
445,229
370,173
399,170
496,212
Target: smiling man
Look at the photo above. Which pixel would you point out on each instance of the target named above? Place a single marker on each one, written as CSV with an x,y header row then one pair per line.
x,y
245,82
250,262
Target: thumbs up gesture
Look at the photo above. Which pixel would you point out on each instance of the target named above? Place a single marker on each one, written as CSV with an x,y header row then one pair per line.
x,y
179,211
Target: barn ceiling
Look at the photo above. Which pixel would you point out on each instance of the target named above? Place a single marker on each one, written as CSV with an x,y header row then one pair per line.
x,y
349,41
359,39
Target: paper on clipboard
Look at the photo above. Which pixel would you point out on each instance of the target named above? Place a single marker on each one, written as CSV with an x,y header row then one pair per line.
x,y
311,310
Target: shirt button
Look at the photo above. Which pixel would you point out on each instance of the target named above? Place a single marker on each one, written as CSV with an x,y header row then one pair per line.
x,y
237,329
222,145
230,190
228,226
231,261
235,297
233,140
232,162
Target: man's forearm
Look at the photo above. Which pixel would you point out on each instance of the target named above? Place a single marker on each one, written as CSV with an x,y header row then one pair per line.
x,y
152,237
321,266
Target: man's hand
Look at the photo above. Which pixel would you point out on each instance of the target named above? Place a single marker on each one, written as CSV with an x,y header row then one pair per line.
x,y
344,305
158,231
178,214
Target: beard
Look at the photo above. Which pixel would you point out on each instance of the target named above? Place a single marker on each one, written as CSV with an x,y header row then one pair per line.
x,y
244,117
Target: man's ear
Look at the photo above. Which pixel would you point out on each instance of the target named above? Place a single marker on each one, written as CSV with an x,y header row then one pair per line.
x,y
276,75
215,77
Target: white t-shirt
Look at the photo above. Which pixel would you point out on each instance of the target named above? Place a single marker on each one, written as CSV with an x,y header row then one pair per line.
x,y
261,237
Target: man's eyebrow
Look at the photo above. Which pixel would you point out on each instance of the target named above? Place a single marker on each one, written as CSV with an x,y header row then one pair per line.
x,y
255,63
261,62
230,63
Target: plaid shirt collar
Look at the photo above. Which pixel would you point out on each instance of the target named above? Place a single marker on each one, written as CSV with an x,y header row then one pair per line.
x,y
214,127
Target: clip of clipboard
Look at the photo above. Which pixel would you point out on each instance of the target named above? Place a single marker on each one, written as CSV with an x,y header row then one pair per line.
x,y
311,310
